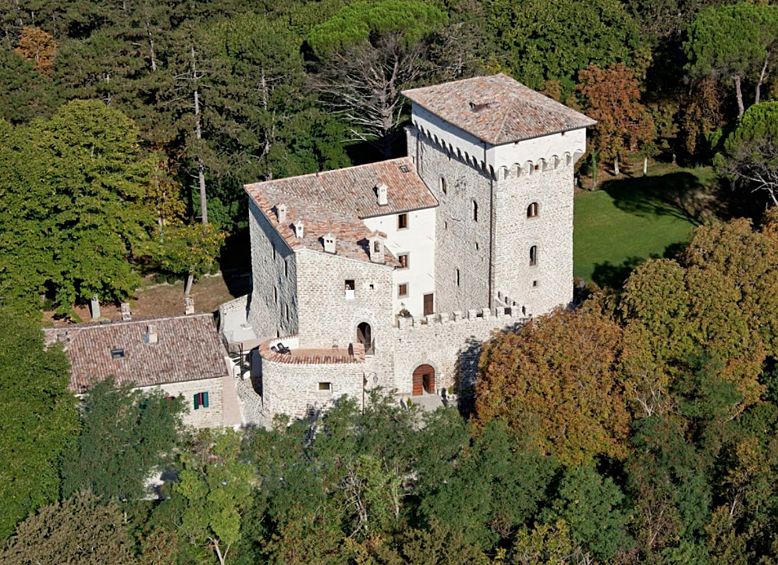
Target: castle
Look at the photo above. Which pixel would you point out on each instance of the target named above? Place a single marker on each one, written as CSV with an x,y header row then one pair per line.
x,y
393,274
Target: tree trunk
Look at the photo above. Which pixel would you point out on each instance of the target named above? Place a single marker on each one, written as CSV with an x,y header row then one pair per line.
x,y
151,48
199,135
740,108
616,165
645,166
594,171
761,81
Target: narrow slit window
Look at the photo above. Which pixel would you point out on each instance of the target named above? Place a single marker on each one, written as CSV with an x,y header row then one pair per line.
x,y
457,273
533,255
475,211
443,187
532,210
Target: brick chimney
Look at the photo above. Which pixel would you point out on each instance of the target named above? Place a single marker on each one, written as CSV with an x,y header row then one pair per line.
x,y
329,243
382,192
281,213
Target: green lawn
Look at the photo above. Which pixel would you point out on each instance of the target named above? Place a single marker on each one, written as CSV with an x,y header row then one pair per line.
x,y
628,220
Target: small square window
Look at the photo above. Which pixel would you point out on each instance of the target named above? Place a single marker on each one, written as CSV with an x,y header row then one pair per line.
x,y
325,386
404,260
402,221
402,290
117,353
535,284
404,168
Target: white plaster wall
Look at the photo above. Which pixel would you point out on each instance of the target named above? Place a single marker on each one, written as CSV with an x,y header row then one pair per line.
x,y
419,241
273,305
572,142
210,417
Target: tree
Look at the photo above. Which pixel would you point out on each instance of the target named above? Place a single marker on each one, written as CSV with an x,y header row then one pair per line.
x,y
557,381
750,156
366,54
77,530
593,506
37,419
126,435
215,485
732,41
545,40
39,47
74,205
613,99
25,94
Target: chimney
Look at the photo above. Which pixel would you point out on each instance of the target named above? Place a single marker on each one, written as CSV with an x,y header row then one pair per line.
x,y
151,336
281,213
188,305
329,243
299,230
126,314
94,306
375,245
381,191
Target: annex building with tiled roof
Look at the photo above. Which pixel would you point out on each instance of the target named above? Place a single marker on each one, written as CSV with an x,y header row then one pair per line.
x,y
391,274
181,355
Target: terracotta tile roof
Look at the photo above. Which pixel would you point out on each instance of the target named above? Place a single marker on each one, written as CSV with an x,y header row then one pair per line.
x,y
188,349
337,201
497,109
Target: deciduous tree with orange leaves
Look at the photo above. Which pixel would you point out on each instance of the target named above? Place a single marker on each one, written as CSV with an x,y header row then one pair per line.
x,y
613,99
557,381
39,47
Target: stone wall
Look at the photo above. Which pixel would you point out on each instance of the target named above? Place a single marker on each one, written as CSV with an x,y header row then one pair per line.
x,y
462,243
274,300
535,289
210,417
450,343
293,389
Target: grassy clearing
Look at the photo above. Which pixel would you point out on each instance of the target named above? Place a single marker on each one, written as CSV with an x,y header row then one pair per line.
x,y
630,219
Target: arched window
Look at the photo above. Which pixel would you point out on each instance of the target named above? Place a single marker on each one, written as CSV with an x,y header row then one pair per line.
x,y
443,185
475,211
533,255
532,210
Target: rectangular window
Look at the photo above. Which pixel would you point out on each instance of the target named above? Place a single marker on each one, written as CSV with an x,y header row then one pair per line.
x,y
402,290
402,221
325,386
117,353
200,399
350,288
404,258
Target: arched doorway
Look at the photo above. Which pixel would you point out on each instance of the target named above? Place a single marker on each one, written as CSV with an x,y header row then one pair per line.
x,y
365,337
423,380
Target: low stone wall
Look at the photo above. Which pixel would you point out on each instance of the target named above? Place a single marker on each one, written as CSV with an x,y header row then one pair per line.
x,y
210,417
450,343
294,389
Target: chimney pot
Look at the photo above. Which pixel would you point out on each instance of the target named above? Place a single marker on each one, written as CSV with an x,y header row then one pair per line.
x,y
281,213
382,193
299,230
329,243
189,305
151,334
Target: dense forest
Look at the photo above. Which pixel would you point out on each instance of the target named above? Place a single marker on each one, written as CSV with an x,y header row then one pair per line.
x,y
639,427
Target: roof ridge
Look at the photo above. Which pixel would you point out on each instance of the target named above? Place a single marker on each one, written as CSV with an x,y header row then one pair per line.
x,y
319,174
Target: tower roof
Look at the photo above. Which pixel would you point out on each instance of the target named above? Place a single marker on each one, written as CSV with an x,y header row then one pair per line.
x,y
497,109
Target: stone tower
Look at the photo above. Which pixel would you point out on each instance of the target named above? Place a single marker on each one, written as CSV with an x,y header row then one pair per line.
x,y
499,158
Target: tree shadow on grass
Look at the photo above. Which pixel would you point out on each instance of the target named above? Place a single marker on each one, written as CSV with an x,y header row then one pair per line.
x,y
614,276
680,195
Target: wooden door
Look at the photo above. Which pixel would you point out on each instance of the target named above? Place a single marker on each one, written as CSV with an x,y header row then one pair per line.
x,y
429,304
423,380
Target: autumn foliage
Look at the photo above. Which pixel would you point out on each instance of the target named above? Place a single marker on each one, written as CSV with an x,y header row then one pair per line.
x,y
558,381
38,47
